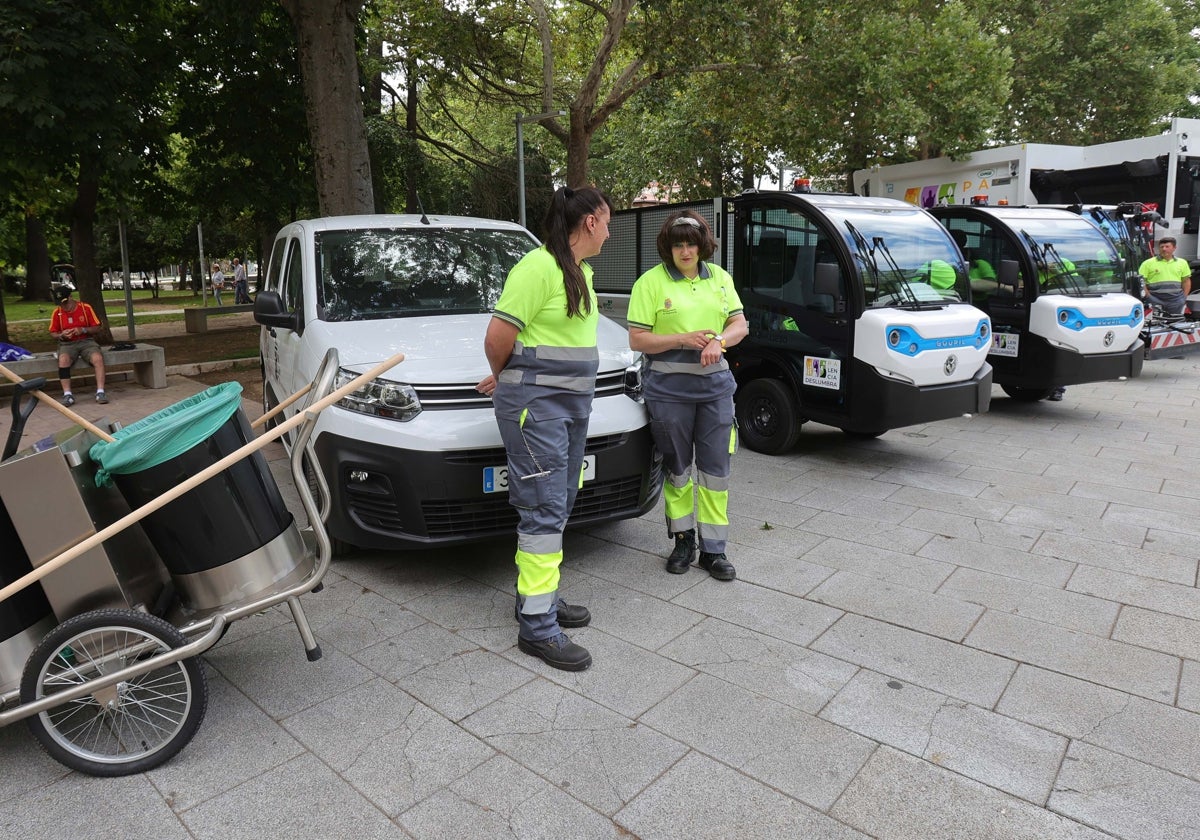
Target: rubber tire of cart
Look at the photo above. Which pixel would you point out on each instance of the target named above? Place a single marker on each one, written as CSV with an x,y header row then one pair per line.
x,y
1026,394
184,711
768,420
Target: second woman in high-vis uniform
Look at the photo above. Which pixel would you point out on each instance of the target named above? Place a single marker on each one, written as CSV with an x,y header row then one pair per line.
x,y
541,346
683,314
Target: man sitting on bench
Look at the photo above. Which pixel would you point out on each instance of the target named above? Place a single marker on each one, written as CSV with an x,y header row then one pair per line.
x,y
74,324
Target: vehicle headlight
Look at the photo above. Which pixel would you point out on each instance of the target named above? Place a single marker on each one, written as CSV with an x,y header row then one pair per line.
x,y
633,379
380,398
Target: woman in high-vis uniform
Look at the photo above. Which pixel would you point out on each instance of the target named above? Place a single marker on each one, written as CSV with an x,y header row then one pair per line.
x,y
541,346
683,314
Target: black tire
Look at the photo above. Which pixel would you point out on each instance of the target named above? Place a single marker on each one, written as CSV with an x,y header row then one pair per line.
x,y
862,435
768,420
341,548
1026,394
145,722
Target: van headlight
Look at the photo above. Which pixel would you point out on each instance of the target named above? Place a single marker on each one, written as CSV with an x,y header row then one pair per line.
x,y
380,398
633,378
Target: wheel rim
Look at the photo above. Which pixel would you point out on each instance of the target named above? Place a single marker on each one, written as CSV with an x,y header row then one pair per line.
x,y
763,417
131,720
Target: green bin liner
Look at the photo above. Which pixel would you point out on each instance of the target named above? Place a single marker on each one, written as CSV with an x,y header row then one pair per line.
x,y
167,433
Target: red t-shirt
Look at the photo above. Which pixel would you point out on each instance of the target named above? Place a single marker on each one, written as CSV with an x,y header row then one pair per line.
x,y
81,316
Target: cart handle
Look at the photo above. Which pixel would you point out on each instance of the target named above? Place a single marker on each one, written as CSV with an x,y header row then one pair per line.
x,y
59,407
198,479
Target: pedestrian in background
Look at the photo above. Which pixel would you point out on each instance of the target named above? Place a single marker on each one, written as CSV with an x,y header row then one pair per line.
x,y
217,282
241,291
541,347
74,325
683,314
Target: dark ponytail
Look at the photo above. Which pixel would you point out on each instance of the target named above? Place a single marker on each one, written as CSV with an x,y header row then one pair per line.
x,y
568,209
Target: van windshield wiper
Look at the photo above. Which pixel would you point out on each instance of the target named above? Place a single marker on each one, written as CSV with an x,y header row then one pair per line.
x,y
1042,254
866,253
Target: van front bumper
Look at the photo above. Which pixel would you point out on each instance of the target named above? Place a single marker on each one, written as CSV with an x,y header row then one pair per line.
x,y
384,497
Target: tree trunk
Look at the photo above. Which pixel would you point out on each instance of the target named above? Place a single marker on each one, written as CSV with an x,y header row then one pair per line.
x,y
83,244
333,103
37,257
579,146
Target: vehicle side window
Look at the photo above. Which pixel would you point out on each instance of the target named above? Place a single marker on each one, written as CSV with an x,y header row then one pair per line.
x,y
293,279
276,265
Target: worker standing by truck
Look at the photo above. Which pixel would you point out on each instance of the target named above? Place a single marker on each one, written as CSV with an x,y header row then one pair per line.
x,y
683,314
1168,278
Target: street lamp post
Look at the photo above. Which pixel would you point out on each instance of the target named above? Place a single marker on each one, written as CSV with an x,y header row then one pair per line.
x,y
521,120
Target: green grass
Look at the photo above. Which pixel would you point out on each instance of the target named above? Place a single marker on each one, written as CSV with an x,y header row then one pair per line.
x,y
16,309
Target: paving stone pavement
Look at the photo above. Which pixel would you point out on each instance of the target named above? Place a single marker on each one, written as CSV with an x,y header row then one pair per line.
x,y
985,627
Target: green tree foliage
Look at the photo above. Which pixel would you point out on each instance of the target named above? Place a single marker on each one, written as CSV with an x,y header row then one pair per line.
x,y
1095,71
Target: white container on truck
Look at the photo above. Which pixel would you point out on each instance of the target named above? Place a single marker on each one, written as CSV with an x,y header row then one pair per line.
x,y
847,327
415,460
1054,287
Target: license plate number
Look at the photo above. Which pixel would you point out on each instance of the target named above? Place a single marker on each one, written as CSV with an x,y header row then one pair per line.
x,y
495,479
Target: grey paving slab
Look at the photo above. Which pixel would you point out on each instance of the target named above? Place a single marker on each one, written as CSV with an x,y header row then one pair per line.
x,y
502,799
1150,732
18,748
615,561
422,647
623,677
900,796
950,503
757,509
1072,610
781,572
82,806
945,481
931,522
935,614
1160,631
680,806
273,671
1135,670
764,739
836,485
255,810
1107,474
1001,477
458,686
392,749
1172,542
881,563
783,671
868,532
1126,797
1102,531
399,578
1049,571
597,755
351,617
946,667
1136,590
759,608
631,615
767,535
1169,513
466,604
1119,556
236,742
1069,505
1189,686
990,748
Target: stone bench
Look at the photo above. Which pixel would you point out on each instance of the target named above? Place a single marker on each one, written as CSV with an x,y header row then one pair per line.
x,y
195,318
148,360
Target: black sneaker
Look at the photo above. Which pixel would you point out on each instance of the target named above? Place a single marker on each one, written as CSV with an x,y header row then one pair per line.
x,y
69,400
557,652
683,554
1057,394
573,615
102,398
717,565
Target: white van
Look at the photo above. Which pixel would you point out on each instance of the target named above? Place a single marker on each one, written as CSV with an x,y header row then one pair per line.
x,y
416,460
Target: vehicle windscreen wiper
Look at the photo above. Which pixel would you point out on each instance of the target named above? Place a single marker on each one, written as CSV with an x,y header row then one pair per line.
x,y
867,254
1042,254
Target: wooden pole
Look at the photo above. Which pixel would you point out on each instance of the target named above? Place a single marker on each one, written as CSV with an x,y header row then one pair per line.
x,y
262,420
59,407
196,480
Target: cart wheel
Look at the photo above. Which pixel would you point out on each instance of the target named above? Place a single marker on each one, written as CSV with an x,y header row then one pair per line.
x,y
767,418
128,728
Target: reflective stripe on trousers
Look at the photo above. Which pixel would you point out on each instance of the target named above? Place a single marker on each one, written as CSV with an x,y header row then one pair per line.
x,y
545,462
683,431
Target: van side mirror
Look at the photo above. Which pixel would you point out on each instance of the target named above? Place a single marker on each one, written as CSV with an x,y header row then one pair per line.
x,y
269,311
1010,273
826,280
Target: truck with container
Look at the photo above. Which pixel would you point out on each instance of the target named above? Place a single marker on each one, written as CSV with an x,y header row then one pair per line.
x,y
1054,286
846,326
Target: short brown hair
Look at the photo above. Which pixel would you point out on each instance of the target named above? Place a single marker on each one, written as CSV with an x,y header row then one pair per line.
x,y
673,231
1166,240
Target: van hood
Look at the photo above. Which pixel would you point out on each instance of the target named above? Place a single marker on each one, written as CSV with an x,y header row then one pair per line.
x,y
441,349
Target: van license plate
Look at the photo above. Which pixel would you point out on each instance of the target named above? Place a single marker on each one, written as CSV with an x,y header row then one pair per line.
x,y
495,479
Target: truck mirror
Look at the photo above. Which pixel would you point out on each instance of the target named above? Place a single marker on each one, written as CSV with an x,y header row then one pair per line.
x,y
270,312
1010,271
826,280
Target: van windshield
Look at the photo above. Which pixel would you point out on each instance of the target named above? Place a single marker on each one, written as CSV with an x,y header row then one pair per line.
x,y
399,272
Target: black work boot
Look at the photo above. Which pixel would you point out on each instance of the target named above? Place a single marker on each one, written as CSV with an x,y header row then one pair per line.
x,y
717,565
684,552
557,652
